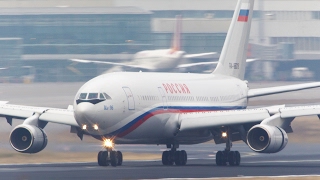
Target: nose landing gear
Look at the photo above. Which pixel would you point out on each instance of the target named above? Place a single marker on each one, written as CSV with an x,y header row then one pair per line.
x,y
110,156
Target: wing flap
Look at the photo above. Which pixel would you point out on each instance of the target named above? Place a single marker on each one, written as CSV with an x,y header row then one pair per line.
x,y
189,121
299,111
281,89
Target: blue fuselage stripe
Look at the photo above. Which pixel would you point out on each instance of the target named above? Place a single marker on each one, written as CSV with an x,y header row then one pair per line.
x,y
176,108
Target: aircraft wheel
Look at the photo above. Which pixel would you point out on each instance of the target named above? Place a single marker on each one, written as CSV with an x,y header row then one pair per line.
x,y
120,158
238,158
219,158
177,158
167,158
184,157
103,158
231,158
113,158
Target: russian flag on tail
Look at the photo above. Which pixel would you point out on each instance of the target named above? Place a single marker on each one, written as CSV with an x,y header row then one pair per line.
x,y
244,12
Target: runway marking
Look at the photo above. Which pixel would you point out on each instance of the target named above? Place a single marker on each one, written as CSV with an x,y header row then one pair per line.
x,y
248,177
288,161
9,169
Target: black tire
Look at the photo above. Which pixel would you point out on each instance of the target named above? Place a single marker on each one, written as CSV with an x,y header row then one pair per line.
x,y
224,158
219,157
120,158
113,158
177,158
238,158
103,158
231,158
165,158
184,157
170,158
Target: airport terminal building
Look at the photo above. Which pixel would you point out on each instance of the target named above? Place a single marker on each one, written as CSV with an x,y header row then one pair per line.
x,y
45,34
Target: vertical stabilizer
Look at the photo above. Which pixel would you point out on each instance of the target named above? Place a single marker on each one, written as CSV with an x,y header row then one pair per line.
x,y
233,57
176,40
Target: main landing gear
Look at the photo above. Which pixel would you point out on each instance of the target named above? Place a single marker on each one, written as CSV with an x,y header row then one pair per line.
x,y
173,156
109,156
227,156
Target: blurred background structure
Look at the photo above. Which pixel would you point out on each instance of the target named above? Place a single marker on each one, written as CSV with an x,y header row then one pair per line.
x,y
37,38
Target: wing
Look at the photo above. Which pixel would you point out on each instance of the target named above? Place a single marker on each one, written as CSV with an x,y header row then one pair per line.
x,y
54,115
201,55
281,89
205,63
205,120
106,62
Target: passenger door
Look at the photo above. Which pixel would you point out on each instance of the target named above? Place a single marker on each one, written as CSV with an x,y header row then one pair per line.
x,y
164,98
130,99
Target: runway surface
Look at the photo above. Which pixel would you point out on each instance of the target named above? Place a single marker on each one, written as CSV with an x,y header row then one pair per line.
x,y
295,159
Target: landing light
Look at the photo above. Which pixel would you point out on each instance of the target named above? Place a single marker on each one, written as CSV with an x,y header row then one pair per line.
x,y
224,134
95,127
108,143
84,127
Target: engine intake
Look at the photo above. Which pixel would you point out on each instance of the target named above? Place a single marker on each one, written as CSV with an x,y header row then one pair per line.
x,y
267,139
28,139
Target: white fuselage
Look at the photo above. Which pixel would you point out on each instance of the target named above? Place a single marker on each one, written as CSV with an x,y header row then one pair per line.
x,y
158,59
145,107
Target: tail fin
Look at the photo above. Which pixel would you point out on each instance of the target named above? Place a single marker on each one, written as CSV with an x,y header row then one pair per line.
x,y
233,57
176,40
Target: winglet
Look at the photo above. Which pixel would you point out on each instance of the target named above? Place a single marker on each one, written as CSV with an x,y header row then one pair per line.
x,y
233,57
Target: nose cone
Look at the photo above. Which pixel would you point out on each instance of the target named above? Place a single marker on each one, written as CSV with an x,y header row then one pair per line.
x,y
85,113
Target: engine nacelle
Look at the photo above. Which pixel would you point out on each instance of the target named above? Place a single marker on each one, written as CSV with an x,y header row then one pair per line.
x,y
28,139
267,139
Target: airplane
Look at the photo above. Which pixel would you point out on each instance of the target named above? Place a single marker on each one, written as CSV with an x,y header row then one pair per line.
x,y
170,109
159,59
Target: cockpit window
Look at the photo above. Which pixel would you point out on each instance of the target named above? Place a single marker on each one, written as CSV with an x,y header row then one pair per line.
x,y
101,96
107,96
83,96
93,96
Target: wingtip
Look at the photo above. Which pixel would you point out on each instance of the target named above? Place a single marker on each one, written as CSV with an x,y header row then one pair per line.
x,y
3,102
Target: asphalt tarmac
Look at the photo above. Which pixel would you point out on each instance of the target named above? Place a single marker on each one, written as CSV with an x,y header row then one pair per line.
x,y
295,159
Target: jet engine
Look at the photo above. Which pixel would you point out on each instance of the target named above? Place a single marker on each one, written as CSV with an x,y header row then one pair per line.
x,y
28,139
267,139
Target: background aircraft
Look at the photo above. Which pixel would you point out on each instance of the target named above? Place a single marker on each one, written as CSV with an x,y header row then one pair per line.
x,y
159,59
170,108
